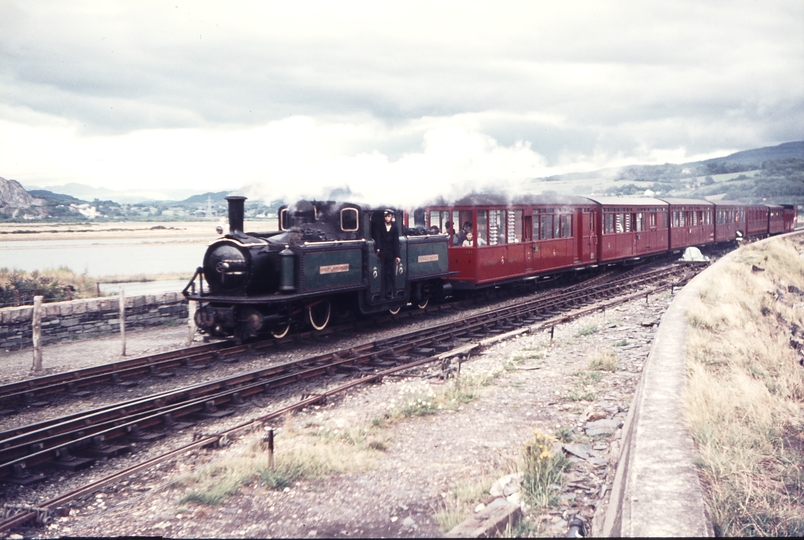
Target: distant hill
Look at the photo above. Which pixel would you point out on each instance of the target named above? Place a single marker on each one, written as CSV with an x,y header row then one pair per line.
x,y
130,196
758,155
215,197
58,198
17,203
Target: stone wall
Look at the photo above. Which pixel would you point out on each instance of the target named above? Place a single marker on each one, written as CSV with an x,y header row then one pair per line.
x,y
96,316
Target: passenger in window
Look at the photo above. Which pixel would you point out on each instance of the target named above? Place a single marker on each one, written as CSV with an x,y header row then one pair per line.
x,y
467,242
433,230
467,228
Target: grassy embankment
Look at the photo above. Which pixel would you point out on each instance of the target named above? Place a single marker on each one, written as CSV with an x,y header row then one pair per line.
x,y
745,395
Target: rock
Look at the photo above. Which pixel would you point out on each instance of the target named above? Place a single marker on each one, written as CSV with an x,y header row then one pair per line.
x,y
479,507
490,522
602,427
596,415
409,523
506,485
582,451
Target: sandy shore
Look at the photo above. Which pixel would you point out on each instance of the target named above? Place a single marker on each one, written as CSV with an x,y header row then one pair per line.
x,y
10,232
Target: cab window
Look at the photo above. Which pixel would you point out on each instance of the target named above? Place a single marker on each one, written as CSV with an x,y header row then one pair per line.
x,y
349,219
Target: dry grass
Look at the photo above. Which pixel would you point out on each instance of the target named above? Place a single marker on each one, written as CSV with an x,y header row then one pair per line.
x,y
308,453
745,394
604,361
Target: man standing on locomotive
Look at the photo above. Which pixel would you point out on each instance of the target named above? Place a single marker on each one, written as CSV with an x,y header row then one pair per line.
x,y
388,252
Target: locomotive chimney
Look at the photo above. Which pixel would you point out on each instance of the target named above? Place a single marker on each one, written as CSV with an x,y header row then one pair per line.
x,y
236,213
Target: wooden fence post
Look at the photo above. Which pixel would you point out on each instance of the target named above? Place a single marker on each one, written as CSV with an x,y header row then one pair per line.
x,y
36,325
123,319
191,306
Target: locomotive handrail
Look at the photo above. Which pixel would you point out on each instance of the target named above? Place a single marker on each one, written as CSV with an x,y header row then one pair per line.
x,y
199,272
335,242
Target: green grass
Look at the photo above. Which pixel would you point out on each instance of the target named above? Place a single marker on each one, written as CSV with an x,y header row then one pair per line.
x,y
580,396
564,434
587,331
543,470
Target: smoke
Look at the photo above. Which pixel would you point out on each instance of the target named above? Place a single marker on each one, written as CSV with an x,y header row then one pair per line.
x,y
455,159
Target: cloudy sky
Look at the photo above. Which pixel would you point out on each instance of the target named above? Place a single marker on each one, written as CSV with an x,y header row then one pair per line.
x,y
398,101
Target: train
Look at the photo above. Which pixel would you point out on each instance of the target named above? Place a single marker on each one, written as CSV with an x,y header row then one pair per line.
x,y
323,263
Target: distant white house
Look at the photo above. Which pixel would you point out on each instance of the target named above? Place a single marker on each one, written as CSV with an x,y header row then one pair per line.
x,y
89,212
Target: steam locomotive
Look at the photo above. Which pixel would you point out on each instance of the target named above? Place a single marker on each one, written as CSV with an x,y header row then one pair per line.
x,y
322,261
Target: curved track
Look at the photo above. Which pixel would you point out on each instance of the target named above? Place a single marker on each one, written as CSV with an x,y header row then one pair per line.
x,y
81,436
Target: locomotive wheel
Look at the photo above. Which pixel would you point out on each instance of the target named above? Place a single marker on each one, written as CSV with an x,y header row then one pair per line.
x,y
394,310
281,330
318,315
422,303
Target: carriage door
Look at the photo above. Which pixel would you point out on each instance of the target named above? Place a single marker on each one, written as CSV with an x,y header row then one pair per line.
x,y
587,236
527,240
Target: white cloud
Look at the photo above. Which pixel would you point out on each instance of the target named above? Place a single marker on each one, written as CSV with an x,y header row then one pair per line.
x,y
440,96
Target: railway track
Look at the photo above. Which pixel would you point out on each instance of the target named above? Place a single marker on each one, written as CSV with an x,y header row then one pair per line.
x,y
77,382
75,441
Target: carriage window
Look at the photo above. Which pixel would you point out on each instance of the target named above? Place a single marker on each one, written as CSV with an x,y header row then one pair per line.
x,y
514,226
547,226
496,227
592,222
482,227
628,219
618,223
609,223
652,220
349,219
536,223
566,226
640,222
284,219
434,219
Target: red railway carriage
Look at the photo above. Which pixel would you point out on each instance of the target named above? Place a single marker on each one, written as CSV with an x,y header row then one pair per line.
x,y
729,220
509,241
789,217
756,220
775,219
691,223
631,228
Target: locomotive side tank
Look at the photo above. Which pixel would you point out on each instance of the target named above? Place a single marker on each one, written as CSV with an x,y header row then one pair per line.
x,y
321,261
